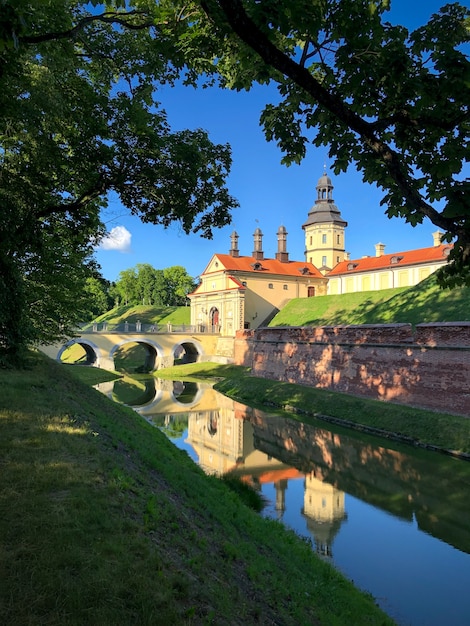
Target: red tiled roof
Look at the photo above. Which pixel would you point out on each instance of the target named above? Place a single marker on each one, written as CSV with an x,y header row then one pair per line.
x,y
397,259
267,266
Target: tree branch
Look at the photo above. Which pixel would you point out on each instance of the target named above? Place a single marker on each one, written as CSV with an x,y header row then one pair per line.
x,y
109,17
252,35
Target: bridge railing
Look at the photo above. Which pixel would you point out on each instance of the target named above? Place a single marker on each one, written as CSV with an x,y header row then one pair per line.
x,y
138,327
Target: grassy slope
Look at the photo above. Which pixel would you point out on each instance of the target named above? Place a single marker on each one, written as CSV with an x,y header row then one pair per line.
x,y
103,521
424,302
147,315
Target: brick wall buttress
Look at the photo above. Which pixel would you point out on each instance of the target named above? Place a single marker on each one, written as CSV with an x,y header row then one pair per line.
x,y
429,367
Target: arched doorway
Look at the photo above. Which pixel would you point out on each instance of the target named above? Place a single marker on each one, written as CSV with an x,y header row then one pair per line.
x,y
214,318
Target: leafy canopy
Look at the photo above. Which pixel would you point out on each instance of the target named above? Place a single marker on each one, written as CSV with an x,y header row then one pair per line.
x,y
393,103
79,119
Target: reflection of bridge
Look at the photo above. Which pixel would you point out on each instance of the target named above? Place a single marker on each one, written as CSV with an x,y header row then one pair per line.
x,y
162,348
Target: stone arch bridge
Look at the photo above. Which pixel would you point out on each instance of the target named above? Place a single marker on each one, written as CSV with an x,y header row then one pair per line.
x,y
163,344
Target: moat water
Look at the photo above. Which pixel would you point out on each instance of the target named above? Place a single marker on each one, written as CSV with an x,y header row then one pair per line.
x,y
393,519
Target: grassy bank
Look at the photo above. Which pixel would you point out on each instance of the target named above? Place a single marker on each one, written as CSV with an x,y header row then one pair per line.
x,y
412,425
103,521
425,302
147,315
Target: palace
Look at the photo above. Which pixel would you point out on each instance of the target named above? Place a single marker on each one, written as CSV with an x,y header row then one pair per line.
x,y
241,292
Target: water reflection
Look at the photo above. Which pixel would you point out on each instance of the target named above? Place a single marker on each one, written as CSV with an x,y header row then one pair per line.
x,y
393,519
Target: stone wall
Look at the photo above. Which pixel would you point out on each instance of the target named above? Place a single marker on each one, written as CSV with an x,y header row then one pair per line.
x,y
427,367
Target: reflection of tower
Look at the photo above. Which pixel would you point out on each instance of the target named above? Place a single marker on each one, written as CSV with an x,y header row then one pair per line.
x,y
280,486
324,510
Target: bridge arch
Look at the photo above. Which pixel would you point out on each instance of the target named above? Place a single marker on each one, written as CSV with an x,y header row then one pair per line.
x,y
92,351
186,394
191,350
154,351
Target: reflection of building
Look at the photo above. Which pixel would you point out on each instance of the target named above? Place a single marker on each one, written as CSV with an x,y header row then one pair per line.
x,y
217,439
238,292
224,443
324,511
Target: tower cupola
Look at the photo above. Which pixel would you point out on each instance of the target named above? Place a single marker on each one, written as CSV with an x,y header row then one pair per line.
x,y
324,229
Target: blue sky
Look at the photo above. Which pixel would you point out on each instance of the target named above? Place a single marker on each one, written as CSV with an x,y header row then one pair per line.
x,y
269,193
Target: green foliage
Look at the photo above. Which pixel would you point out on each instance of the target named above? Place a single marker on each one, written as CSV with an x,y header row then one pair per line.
x,y
79,121
148,286
99,300
425,302
393,103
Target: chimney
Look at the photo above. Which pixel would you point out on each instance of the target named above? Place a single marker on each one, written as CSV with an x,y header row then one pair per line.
x,y
437,238
282,255
234,244
379,249
258,243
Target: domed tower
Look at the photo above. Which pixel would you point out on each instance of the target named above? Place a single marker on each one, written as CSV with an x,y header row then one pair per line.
x,y
324,229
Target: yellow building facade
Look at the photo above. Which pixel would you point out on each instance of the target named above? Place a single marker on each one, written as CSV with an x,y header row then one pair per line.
x,y
386,271
241,292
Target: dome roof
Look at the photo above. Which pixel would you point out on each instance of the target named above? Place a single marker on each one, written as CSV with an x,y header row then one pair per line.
x,y
324,181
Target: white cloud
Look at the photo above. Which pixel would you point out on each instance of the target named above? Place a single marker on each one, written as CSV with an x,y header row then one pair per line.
x,y
118,238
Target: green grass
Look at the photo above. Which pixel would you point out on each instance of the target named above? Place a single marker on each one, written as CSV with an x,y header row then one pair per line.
x,y
424,302
412,425
103,521
147,315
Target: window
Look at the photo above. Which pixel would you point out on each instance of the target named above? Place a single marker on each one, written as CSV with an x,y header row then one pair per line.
x,y
285,287
395,259
338,239
323,238
310,241
271,286
323,261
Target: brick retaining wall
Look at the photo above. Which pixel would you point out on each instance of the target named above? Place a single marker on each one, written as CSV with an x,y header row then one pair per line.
x,y
428,367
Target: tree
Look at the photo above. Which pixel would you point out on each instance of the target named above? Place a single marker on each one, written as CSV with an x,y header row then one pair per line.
x,y
98,297
179,285
160,294
393,103
126,286
144,284
79,120
146,278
